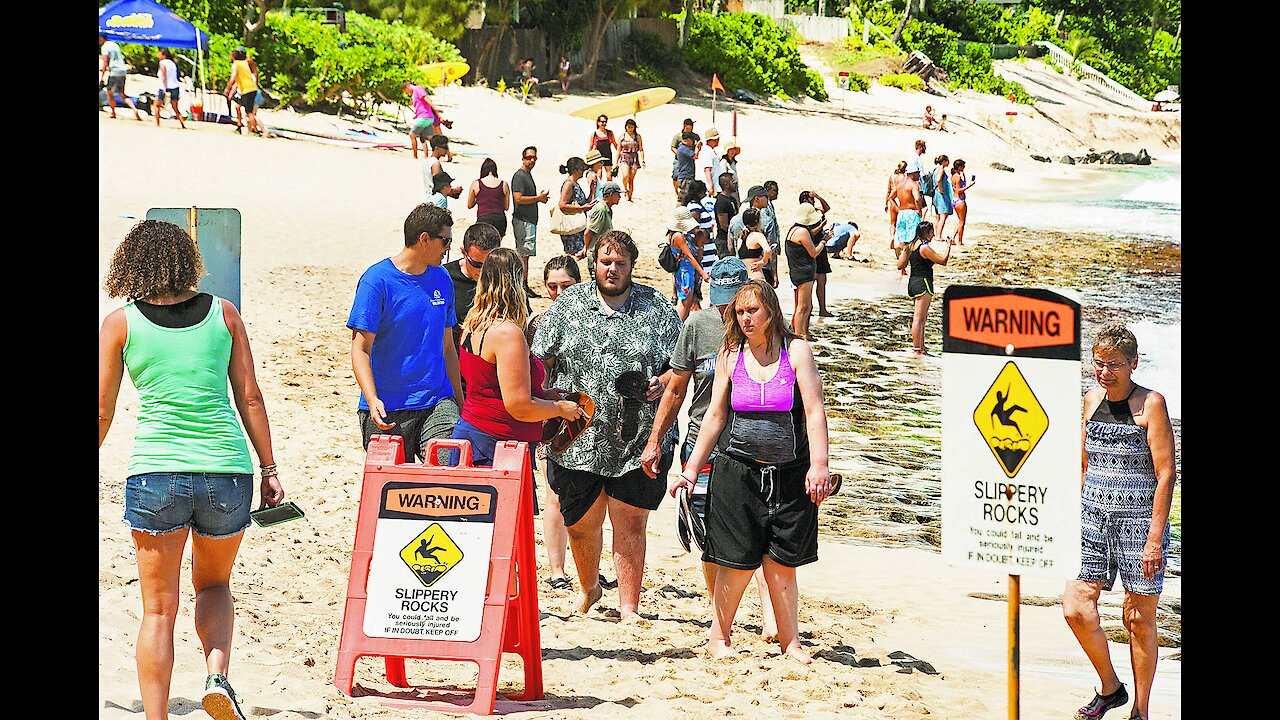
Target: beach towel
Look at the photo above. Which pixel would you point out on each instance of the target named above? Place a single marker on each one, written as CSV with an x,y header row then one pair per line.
x,y
908,221
942,198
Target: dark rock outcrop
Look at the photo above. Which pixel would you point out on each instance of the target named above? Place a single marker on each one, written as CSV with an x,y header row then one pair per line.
x,y
1067,160
1001,166
1040,158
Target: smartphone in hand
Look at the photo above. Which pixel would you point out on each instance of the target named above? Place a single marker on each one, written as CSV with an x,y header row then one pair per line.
x,y
276,514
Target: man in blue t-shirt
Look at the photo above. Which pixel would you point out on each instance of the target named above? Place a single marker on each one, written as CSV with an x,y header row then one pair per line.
x,y
402,352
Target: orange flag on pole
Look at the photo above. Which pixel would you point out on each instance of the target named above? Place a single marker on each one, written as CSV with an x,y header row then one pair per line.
x,y
715,83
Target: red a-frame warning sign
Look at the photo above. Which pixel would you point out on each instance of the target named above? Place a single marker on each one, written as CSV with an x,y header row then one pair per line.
x,y
443,568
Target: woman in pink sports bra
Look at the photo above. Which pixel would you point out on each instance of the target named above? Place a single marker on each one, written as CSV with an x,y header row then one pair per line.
x,y
770,472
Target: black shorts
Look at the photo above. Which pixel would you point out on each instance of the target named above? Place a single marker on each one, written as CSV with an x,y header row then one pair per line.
x,y
578,489
247,99
918,285
115,83
171,94
497,220
822,263
746,521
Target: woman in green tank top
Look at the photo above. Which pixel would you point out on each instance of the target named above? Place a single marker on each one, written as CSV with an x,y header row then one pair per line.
x,y
190,465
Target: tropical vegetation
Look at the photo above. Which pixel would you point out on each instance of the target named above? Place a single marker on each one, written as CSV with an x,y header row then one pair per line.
x,y
750,51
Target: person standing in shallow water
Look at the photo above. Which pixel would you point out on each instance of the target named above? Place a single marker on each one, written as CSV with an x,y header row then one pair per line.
x,y
922,256
1128,474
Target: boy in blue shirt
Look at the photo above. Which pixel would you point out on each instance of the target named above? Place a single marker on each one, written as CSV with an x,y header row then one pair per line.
x,y
402,351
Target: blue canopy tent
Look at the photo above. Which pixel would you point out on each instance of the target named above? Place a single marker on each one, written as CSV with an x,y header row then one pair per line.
x,y
147,22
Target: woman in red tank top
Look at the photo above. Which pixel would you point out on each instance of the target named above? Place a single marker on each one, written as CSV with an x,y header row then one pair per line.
x,y
504,398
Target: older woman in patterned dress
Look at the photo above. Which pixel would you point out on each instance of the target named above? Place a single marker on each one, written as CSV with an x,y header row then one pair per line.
x,y
1127,490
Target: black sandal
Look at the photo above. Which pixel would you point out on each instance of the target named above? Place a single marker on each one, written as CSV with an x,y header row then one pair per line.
x,y
559,583
1102,703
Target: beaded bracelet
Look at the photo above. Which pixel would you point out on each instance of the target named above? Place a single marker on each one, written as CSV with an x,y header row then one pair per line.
x,y
269,471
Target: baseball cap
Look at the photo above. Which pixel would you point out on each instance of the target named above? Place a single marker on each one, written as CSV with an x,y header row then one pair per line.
x,y
610,187
728,274
687,121
756,191
688,136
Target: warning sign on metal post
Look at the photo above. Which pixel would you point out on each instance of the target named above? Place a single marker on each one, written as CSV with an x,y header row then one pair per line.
x,y
430,566
1011,430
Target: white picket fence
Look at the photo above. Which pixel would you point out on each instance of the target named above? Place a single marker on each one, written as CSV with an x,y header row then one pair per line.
x,y
1087,72
812,27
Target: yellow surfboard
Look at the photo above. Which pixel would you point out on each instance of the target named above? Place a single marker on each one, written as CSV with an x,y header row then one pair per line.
x,y
628,104
443,73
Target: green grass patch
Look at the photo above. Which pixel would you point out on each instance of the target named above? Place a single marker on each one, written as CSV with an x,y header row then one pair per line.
x,y
904,81
1175,514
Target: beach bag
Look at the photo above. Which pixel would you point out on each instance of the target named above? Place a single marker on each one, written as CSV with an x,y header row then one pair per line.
x,y
570,224
667,258
926,183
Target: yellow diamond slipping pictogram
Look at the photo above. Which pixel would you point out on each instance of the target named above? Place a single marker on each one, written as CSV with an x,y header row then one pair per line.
x,y
1010,419
432,554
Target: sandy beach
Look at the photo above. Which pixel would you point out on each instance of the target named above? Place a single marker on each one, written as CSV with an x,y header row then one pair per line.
x,y
315,216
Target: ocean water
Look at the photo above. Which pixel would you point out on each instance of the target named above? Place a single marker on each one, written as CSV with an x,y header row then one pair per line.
x,y
1142,201
1122,203
1115,241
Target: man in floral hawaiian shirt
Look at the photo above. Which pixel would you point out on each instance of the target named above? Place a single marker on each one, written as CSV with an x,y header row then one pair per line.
x,y
611,339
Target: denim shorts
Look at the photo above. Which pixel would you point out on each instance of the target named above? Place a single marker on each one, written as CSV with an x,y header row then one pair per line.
x,y
170,93
483,446
215,504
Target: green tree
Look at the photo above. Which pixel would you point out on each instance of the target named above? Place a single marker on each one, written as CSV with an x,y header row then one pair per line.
x,y
442,18
1085,50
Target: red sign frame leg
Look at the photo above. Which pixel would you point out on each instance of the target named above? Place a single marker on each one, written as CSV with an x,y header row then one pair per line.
x,y
509,621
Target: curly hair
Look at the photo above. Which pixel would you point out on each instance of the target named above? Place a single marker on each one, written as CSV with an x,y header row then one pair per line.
x,y
155,258
617,241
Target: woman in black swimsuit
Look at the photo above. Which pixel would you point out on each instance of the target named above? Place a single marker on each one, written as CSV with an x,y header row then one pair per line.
x,y
923,257
753,247
603,142
801,249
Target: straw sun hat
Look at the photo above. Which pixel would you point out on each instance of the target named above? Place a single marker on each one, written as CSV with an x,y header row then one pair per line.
x,y
809,215
593,157
682,221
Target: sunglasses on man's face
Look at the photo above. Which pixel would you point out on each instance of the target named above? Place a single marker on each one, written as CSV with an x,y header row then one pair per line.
x,y
530,157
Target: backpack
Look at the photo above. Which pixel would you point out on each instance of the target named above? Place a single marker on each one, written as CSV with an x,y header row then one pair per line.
x,y
667,257
927,185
